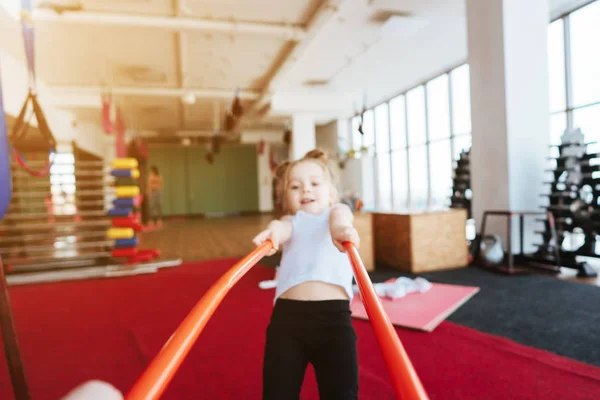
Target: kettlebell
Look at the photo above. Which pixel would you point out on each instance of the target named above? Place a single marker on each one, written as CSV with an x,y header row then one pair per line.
x,y
491,250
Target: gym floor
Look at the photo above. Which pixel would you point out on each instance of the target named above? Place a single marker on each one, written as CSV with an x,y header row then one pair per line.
x,y
200,239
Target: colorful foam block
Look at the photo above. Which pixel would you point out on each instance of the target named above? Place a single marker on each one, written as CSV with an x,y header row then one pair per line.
x,y
124,243
126,223
120,233
125,252
124,203
127,191
119,212
124,163
126,173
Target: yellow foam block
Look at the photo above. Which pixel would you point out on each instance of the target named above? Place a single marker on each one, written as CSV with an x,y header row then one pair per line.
x,y
135,173
124,163
127,191
120,233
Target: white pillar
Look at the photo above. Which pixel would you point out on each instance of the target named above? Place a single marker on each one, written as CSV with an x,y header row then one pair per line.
x,y
304,136
509,103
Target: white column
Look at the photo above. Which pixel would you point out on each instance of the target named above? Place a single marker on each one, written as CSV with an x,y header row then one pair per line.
x,y
510,110
303,135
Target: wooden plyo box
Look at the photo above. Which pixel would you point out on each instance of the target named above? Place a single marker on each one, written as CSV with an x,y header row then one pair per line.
x,y
421,242
363,222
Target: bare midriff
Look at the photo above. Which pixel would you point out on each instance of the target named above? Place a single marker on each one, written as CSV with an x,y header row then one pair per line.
x,y
315,291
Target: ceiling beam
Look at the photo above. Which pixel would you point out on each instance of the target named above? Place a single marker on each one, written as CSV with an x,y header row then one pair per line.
x,y
173,23
325,11
72,96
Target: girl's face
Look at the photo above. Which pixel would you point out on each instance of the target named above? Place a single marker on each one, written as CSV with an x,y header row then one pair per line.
x,y
308,188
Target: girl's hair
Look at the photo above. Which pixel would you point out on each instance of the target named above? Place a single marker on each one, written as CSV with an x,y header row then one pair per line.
x,y
282,179
154,169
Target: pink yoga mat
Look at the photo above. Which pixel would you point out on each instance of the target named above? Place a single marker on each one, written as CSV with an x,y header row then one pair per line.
x,y
422,311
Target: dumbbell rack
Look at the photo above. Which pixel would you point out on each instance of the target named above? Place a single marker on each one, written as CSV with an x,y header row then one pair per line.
x,y
573,200
462,183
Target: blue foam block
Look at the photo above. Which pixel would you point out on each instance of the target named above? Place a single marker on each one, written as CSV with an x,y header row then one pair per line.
x,y
119,212
123,203
122,243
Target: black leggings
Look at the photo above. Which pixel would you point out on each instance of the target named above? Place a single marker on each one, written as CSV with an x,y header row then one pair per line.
x,y
316,332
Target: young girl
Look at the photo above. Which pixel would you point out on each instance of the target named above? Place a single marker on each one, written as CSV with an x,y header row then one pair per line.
x,y
155,185
311,321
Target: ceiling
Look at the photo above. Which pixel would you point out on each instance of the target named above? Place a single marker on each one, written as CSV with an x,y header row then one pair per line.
x,y
151,53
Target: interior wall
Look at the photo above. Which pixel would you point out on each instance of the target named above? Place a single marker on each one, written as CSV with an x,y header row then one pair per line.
x,y
327,138
192,186
264,180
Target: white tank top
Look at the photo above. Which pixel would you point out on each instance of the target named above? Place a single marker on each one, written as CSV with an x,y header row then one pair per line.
x,y
310,255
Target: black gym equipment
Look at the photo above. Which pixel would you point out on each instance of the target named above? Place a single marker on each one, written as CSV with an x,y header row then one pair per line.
x,y
461,189
574,201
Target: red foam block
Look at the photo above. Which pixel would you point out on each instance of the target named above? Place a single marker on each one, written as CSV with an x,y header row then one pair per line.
x,y
422,311
127,252
126,223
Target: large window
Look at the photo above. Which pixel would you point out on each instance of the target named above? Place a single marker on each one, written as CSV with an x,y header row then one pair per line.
x,y
383,159
62,184
574,74
416,136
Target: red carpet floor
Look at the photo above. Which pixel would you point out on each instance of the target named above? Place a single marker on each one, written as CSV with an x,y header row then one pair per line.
x,y
109,329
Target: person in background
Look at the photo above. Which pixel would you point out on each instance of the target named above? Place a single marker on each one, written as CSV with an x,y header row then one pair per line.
x,y
154,192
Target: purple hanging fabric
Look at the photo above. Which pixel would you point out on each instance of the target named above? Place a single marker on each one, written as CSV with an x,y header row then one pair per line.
x,y
5,179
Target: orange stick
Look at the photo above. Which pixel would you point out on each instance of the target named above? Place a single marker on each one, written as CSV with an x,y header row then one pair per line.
x,y
404,378
153,382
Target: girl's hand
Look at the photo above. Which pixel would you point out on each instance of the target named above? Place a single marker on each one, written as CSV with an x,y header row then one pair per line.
x,y
271,233
341,234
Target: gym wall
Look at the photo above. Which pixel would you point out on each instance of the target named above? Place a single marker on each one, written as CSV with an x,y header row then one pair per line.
x,y
192,186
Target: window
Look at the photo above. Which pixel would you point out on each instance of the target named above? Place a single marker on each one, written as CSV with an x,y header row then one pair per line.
x,y
556,66
459,144
382,148
398,123
62,184
585,63
588,119
558,125
440,161
574,75
416,134
382,132
438,108
461,100
384,182
368,129
418,176
344,141
356,135
416,116
399,180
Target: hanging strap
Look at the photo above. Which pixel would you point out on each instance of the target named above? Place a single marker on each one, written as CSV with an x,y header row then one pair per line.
x,y
21,127
28,36
5,179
